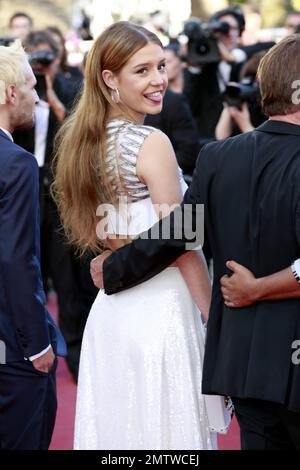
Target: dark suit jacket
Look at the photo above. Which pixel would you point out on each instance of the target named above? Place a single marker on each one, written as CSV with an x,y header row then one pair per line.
x,y
177,122
26,328
250,185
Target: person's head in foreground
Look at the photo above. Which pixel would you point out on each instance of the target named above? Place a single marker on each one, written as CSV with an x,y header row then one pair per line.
x,y
278,75
18,96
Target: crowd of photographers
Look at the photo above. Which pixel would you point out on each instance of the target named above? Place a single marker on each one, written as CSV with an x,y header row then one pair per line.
x,y
212,94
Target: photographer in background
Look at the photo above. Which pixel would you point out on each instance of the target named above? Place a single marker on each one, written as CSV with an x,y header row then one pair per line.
x,y
20,25
52,108
207,74
242,109
54,101
72,74
44,59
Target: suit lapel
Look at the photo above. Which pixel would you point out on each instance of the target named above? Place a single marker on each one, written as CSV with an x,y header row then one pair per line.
x,y
5,136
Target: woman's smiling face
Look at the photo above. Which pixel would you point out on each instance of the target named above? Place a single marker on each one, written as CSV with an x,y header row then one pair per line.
x,y
142,82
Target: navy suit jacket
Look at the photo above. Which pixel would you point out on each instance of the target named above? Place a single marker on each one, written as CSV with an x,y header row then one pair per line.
x,y
26,328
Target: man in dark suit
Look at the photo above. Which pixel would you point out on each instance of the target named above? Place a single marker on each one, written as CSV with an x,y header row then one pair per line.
x,y
250,187
30,337
204,83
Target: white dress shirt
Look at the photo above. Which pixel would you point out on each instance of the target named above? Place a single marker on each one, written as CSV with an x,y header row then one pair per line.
x,y
7,133
224,68
41,130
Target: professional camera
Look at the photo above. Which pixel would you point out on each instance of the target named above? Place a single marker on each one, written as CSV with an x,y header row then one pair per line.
x,y
236,94
202,41
42,57
38,60
5,41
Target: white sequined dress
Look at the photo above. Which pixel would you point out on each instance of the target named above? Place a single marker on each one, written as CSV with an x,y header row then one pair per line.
x,y
140,370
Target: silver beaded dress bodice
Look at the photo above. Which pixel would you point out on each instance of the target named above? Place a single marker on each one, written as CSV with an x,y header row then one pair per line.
x,y
124,140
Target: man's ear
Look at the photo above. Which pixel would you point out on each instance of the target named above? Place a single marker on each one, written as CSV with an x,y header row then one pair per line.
x,y
2,92
11,94
110,79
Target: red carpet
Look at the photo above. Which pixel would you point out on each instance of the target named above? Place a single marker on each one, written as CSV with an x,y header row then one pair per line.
x,y
66,392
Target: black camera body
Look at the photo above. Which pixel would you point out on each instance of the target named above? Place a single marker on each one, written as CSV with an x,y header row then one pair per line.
x,y
42,57
6,41
38,60
237,93
202,41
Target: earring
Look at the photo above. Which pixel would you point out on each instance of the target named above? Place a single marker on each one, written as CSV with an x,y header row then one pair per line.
x,y
115,95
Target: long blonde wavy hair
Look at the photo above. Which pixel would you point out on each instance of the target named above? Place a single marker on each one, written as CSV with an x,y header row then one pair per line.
x,y
81,182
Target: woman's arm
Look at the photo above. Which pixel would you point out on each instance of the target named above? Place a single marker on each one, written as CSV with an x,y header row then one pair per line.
x,y
157,168
193,268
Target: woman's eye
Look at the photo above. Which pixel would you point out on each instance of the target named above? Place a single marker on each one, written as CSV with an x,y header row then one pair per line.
x,y
162,67
141,71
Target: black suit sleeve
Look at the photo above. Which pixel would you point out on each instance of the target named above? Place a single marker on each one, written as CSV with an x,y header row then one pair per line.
x,y
19,252
151,252
298,222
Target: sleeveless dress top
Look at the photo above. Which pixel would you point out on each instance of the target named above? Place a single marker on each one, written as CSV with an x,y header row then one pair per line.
x,y
135,212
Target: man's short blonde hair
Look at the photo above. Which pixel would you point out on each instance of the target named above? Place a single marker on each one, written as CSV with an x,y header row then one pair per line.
x,y
11,70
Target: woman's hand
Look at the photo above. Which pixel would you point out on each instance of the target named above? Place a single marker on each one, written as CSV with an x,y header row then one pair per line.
x,y
96,268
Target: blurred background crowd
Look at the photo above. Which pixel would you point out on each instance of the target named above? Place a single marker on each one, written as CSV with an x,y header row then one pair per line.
x,y
212,49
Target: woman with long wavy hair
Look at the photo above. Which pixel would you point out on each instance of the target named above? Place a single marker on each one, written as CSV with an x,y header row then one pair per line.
x,y
141,360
